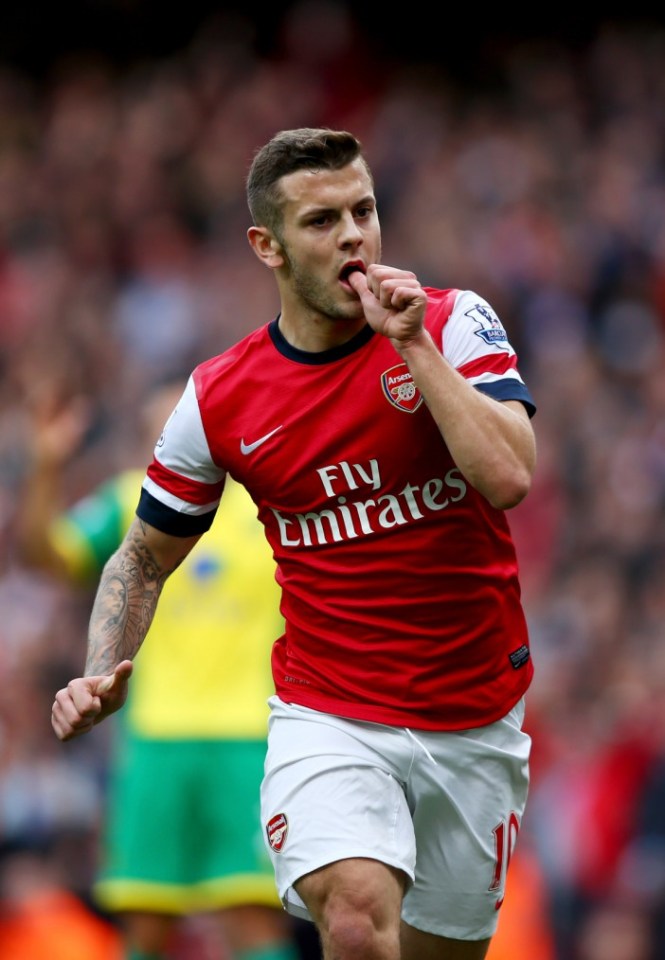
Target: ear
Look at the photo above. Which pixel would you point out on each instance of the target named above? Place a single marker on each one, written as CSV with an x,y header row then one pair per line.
x,y
265,246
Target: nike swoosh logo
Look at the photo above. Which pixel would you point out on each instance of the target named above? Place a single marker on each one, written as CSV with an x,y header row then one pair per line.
x,y
246,448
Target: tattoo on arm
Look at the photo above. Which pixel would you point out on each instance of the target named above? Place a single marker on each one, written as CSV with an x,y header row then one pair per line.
x,y
124,606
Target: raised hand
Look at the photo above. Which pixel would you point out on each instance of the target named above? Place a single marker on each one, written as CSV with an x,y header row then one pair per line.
x,y
393,300
86,701
58,429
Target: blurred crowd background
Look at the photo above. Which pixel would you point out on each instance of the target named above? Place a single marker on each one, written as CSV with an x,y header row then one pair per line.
x,y
530,169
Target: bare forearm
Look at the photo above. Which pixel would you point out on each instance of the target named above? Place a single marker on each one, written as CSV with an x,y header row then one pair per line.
x,y
127,596
492,443
124,606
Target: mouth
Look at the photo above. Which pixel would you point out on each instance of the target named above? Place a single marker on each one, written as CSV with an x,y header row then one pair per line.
x,y
347,270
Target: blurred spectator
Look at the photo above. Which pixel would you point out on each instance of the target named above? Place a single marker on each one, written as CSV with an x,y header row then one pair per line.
x,y
614,932
525,929
41,917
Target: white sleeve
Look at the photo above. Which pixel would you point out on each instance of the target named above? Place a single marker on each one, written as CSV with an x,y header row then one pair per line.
x,y
476,343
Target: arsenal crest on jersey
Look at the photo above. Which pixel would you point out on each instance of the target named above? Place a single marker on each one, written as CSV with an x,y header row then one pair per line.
x,y
399,388
277,828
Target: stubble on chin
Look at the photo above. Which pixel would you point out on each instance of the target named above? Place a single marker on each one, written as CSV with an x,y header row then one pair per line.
x,y
319,300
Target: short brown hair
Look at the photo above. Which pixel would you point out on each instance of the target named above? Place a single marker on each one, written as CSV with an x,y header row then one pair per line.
x,y
306,148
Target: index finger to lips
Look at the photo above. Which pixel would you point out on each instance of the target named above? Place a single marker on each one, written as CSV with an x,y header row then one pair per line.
x,y
358,281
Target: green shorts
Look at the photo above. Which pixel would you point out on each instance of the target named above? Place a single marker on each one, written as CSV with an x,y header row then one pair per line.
x,y
182,827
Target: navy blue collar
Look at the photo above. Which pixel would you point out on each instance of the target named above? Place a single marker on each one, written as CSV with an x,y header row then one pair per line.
x,y
323,356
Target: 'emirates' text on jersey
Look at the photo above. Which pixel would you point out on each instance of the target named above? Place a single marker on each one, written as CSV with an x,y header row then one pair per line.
x,y
399,581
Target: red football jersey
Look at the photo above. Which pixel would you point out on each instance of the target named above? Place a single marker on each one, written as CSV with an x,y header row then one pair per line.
x,y
399,581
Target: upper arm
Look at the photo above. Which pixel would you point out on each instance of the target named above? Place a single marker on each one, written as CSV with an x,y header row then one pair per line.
x,y
519,408
525,437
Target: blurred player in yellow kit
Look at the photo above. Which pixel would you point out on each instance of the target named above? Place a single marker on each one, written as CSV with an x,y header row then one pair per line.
x,y
182,826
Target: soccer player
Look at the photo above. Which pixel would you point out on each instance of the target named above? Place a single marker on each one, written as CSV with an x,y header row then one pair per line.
x,y
383,430
182,832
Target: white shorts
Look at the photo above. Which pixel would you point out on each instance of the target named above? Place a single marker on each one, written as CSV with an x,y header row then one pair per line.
x,y
444,808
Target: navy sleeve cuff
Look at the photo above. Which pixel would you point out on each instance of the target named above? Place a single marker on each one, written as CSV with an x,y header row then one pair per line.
x,y
509,390
171,521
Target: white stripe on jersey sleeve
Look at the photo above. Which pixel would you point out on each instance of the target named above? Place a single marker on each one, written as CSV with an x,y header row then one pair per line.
x,y
176,503
493,377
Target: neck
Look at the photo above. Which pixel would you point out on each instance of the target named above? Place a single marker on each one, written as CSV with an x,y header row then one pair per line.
x,y
316,333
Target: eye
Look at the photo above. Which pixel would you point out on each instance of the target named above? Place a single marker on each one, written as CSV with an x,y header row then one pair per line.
x,y
321,221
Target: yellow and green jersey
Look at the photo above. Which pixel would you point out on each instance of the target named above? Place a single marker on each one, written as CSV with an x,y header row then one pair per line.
x,y
204,668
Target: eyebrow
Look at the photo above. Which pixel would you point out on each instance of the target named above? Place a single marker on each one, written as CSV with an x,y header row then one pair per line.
x,y
368,199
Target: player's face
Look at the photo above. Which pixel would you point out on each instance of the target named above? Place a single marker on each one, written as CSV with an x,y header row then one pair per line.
x,y
329,223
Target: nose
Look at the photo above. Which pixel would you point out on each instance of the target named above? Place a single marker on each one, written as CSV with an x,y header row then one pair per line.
x,y
350,233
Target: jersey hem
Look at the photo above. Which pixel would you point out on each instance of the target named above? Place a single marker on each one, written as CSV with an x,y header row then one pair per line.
x,y
395,718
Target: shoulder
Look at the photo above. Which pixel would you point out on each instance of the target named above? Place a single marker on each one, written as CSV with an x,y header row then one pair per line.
x,y
456,301
465,310
210,371
442,305
441,301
